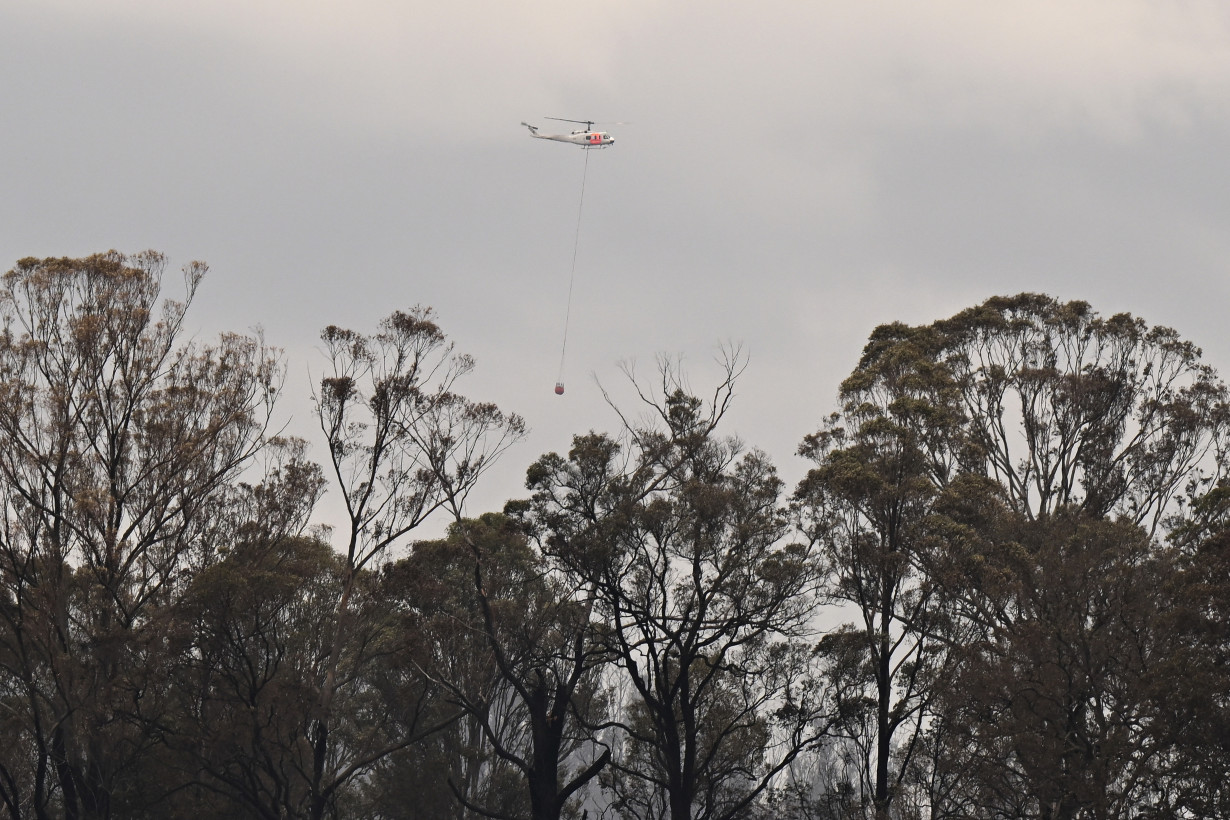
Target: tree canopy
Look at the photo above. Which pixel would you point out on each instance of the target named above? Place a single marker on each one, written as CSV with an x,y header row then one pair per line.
x,y
998,592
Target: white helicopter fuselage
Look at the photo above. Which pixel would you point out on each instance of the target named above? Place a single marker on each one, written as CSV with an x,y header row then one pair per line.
x,y
585,139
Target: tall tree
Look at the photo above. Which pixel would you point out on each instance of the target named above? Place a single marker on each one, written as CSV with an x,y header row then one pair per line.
x,y
514,647
1049,413
684,543
1194,675
117,445
247,638
1062,709
249,633
880,465
402,445
1066,408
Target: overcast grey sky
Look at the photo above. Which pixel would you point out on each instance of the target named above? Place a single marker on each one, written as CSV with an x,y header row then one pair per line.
x,y
794,174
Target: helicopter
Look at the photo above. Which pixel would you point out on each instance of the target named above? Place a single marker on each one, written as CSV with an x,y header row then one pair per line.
x,y
586,137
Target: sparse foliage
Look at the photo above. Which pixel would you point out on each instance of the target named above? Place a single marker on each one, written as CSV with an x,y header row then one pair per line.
x,y
1021,512
684,544
402,444
118,444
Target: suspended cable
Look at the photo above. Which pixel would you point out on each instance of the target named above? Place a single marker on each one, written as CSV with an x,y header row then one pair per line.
x,y
572,275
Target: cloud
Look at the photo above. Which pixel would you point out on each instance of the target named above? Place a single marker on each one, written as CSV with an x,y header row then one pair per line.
x,y
796,172
832,67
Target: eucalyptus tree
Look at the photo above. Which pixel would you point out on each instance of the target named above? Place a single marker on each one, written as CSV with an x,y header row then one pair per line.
x,y
245,637
1200,615
1073,703
512,645
1026,413
1096,434
881,464
1066,408
402,445
118,446
250,633
684,544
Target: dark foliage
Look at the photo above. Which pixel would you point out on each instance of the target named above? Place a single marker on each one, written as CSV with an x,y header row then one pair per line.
x,y
1001,591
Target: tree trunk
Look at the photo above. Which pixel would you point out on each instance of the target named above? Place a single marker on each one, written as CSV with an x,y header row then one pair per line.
x,y
884,695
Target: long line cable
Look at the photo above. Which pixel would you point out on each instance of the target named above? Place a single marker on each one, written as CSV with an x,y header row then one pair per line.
x,y
572,275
